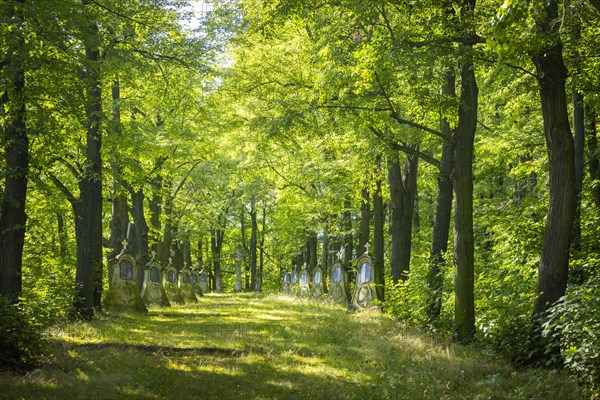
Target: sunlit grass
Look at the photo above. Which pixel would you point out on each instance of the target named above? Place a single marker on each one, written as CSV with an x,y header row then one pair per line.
x,y
268,347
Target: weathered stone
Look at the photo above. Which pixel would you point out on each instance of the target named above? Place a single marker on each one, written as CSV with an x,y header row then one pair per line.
x,y
338,285
364,290
286,283
153,292
123,292
171,285
317,286
303,284
186,287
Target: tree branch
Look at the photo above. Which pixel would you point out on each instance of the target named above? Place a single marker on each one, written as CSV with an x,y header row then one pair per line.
x,y
70,198
403,147
402,121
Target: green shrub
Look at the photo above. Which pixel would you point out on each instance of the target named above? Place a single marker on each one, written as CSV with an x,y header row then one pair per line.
x,y
21,344
575,323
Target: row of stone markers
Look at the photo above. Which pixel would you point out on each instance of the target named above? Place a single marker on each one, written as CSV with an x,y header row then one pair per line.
x,y
362,298
160,287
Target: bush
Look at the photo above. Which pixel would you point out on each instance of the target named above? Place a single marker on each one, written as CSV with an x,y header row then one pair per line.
x,y
575,323
21,344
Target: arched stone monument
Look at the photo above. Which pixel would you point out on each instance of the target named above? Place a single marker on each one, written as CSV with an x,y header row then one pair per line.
x,y
317,286
185,285
203,276
171,285
364,290
153,292
338,284
303,283
123,291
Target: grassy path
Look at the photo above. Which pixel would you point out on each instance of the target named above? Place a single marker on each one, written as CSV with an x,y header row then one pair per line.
x,y
273,347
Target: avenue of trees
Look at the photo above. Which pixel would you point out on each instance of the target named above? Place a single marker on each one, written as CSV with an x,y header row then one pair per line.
x,y
458,138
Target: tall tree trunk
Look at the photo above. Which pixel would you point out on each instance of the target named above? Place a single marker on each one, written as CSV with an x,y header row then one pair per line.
x,y
216,245
365,221
579,143
312,252
155,206
378,234
16,152
88,275
166,243
244,249
551,75
395,183
409,195
253,243
120,213
464,260
347,226
141,234
594,156
443,212
262,249
403,187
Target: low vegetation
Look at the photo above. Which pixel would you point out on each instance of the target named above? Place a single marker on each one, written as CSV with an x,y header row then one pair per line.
x,y
268,347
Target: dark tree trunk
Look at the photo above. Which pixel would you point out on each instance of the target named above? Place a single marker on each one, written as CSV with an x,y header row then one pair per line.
x,y
16,152
594,156
347,225
579,144
216,245
403,188
262,248
141,234
464,261
395,183
365,222
378,234
409,195
166,243
443,212
154,206
88,276
312,252
120,213
551,75
253,243
244,249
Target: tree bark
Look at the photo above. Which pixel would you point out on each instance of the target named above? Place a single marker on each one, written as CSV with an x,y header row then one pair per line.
x,y
594,156
16,152
253,243
365,221
216,245
89,272
378,234
443,212
551,76
395,183
141,234
462,175
347,224
579,143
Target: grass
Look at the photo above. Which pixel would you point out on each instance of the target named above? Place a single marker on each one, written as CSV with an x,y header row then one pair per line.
x,y
267,347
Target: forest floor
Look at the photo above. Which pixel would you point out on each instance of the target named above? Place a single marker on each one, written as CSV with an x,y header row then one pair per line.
x,y
252,346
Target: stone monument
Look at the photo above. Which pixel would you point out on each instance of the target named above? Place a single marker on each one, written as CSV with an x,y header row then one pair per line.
x,y
286,283
203,281
171,284
123,291
303,284
153,292
196,283
294,281
317,286
338,284
365,292
185,285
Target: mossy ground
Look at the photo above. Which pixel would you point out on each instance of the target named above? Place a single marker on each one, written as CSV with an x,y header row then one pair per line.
x,y
267,347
